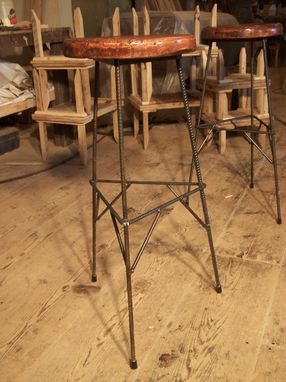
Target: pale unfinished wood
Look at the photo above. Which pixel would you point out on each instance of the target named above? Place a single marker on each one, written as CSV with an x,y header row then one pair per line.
x,y
242,70
197,25
78,72
261,96
79,33
198,29
146,68
213,22
220,86
78,23
192,334
63,113
41,64
19,106
146,102
134,75
37,36
116,32
221,102
80,109
162,102
58,62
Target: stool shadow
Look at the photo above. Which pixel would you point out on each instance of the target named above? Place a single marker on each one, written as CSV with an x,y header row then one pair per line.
x,y
245,177
186,246
63,238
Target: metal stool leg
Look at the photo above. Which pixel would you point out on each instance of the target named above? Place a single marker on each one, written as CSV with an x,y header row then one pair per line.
x,y
200,113
95,196
272,136
133,362
199,176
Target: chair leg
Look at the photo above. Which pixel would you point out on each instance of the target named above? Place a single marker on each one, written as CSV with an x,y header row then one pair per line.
x,y
271,136
251,184
43,140
81,133
133,361
136,123
145,130
115,126
222,142
199,176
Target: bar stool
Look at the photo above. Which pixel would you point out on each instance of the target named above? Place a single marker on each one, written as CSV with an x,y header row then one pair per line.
x,y
251,33
119,51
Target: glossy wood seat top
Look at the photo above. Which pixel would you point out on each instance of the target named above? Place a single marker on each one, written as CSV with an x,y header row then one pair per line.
x,y
242,32
129,47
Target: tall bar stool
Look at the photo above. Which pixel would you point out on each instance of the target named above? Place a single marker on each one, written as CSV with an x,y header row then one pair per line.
x,y
119,51
251,33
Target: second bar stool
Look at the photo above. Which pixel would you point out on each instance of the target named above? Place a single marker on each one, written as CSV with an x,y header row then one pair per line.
x,y
250,33
118,51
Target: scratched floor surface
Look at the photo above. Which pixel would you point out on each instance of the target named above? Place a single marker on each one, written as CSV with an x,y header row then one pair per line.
x,y
58,326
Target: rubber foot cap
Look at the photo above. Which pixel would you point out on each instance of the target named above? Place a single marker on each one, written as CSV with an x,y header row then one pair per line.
x,y
94,278
251,185
133,364
279,221
218,289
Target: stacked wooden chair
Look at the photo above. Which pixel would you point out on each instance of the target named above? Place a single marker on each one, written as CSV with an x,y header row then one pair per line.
x,y
142,98
219,90
78,110
220,87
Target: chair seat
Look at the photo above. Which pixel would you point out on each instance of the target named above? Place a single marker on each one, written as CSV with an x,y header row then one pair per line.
x,y
129,47
61,62
242,32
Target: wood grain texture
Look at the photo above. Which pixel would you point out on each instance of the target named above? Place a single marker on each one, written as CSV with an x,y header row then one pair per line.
x,y
275,334
242,31
271,365
58,326
129,47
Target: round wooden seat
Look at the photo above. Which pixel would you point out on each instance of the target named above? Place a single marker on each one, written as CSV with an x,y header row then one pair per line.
x,y
129,47
242,32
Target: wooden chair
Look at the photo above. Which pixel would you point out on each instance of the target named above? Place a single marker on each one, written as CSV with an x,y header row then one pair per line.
x,y
78,110
219,90
142,98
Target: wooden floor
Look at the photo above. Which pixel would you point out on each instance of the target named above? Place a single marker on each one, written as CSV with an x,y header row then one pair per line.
x,y
58,326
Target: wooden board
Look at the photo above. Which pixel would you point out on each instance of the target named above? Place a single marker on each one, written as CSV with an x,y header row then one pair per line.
x,y
25,37
62,62
64,327
162,102
17,107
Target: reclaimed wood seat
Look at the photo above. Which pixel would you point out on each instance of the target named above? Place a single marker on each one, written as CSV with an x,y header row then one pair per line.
x,y
242,32
130,47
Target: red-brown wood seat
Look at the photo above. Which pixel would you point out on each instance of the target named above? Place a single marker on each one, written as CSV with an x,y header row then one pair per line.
x,y
130,47
242,32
